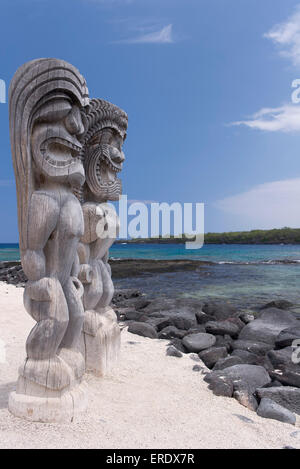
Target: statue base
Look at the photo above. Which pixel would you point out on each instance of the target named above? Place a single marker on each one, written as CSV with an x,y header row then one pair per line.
x,y
61,409
100,341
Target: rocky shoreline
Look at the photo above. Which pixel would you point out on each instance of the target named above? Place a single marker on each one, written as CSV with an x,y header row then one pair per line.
x,y
11,271
246,355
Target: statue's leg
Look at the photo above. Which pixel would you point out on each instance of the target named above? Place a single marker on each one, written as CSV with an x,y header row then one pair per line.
x,y
108,286
101,332
45,302
48,388
69,346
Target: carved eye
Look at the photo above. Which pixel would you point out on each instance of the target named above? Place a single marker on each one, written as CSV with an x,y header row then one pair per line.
x,y
50,113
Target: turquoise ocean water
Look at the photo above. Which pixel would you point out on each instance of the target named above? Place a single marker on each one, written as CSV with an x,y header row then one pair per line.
x,y
246,275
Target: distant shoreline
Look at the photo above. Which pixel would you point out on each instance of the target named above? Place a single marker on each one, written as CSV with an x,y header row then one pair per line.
x,y
276,236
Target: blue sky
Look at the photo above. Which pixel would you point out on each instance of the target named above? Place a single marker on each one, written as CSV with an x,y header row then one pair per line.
x,y
206,85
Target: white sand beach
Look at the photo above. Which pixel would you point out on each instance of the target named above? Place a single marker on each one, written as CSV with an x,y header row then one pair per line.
x,y
150,401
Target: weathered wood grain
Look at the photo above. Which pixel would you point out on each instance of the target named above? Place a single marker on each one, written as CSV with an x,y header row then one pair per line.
x,y
46,101
103,158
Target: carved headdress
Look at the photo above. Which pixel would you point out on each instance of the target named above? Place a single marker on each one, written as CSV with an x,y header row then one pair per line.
x,y
106,127
102,114
38,92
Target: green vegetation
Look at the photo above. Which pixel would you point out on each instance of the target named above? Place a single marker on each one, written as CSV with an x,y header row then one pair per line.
x,y
275,236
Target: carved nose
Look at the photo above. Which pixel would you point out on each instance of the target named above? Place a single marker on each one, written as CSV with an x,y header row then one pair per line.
x,y
118,157
74,122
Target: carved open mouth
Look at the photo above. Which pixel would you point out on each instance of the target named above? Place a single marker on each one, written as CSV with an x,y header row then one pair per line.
x,y
108,183
101,167
59,152
106,172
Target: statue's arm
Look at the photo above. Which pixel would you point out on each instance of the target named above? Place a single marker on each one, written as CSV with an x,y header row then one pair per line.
x,y
42,220
85,271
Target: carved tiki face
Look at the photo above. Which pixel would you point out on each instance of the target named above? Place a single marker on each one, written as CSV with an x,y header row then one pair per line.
x,y
55,140
103,155
104,163
45,96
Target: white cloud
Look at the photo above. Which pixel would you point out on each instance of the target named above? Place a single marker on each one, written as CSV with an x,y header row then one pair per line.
x,y
287,36
162,36
285,119
270,205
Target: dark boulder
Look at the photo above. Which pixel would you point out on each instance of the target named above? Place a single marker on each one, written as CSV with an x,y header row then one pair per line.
x,y
122,294
284,369
220,387
271,410
181,322
286,337
159,323
273,384
187,305
286,396
223,363
219,311
246,317
281,357
222,328
173,352
258,348
279,304
159,305
268,325
197,368
133,315
178,344
198,342
211,355
182,319
224,341
243,393
155,315
287,375
171,332
248,358
196,329
143,329
203,318
249,376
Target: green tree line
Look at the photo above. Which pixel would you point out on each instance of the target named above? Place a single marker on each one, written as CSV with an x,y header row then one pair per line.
x,y
275,236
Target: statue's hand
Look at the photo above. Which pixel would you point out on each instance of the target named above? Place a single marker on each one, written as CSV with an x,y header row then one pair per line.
x,y
85,274
44,289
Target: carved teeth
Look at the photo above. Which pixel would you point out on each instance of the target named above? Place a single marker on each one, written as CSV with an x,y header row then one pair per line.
x,y
61,141
58,163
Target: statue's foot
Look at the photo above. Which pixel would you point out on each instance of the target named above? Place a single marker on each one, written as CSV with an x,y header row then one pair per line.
x,y
53,374
75,361
100,342
110,314
93,321
100,319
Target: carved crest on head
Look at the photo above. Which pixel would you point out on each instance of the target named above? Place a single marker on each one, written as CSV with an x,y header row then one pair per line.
x,y
106,127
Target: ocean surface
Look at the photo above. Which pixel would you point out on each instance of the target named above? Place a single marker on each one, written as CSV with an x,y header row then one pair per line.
x,y
245,275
